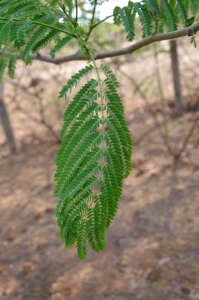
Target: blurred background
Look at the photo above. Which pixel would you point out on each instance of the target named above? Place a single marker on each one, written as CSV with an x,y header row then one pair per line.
x,y
153,242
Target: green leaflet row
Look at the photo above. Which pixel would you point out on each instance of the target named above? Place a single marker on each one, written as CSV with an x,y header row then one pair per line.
x,y
156,16
94,158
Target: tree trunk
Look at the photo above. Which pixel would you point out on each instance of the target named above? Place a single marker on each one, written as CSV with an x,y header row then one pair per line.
x,y
6,123
176,76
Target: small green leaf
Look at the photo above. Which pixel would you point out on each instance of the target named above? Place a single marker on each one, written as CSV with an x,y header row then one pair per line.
x,y
190,21
12,65
2,67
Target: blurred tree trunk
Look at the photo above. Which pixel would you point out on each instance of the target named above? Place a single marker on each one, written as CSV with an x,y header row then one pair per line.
x,y
6,123
176,76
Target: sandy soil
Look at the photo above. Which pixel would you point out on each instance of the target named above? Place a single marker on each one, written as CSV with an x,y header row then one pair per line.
x,y
153,243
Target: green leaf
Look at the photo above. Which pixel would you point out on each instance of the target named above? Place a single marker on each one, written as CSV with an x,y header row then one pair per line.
x,y
70,6
116,15
12,65
128,22
21,32
59,45
82,237
38,34
5,31
153,6
42,43
190,21
74,80
194,4
94,157
2,67
145,19
171,18
182,12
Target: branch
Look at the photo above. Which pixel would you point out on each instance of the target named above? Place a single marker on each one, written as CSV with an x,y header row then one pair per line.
x,y
118,52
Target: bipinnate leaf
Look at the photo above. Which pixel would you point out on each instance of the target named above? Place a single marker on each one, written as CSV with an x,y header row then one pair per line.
x,y
93,159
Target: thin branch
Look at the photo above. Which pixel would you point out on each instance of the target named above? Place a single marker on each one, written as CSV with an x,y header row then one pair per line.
x,y
42,119
101,21
188,136
92,20
76,11
118,52
60,14
43,24
67,15
158,125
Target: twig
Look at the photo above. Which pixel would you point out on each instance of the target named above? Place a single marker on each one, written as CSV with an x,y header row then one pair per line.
x,y
148,105
76,11
42,119
92,20
67,15
146,133
45,25
188,136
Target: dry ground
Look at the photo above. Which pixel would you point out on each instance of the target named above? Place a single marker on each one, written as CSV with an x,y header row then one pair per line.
x,y
153,242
